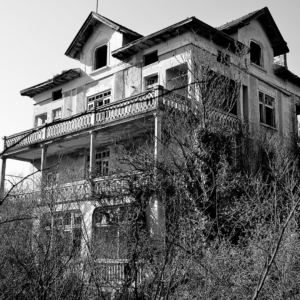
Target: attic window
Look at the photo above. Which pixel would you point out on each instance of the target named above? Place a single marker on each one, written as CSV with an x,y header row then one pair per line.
x,y
57,95
150,58
100,57
255,54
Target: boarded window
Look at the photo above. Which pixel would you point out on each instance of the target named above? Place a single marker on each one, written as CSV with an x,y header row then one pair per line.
x,y
100,57
255,54
150,58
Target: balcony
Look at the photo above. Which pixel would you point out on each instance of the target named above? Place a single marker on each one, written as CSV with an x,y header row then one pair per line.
x,y
124,110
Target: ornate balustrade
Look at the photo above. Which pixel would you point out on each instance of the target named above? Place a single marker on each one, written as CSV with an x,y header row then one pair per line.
x,y
114,111
122,109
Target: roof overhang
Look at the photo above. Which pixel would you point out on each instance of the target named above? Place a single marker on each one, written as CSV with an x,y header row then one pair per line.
x,y
87,29
191,24
285,73
57,80
265,18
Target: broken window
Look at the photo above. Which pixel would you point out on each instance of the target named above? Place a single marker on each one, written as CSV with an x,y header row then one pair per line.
x,y
57,95
223,58
64,230
267,109
56,114
100,57
255,54
150,58
99,99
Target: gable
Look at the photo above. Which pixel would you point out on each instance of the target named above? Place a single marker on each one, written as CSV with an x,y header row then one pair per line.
x,y
264,17
88,28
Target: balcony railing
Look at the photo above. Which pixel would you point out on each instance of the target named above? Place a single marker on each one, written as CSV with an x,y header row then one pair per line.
x,y
122,109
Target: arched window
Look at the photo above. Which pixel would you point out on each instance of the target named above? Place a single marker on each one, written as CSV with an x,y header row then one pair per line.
x,y
100,59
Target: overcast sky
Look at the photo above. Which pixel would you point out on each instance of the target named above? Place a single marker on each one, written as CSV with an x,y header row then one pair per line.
x,y
36,33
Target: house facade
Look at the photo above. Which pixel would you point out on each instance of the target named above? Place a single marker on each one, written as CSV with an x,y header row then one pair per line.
x,y
117,94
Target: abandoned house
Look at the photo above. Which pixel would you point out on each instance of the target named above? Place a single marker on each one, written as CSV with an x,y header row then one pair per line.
x,y
117,93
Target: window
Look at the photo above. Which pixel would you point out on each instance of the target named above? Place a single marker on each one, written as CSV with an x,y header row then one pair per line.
x,y
150,58
40,120
56,114
151,81
99,100
100,57
109,232
57,95
223,58
51,178
102,162
267,109
255,54
64,230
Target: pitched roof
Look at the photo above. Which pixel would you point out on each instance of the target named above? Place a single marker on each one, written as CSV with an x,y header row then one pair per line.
x,y
57,80
86,31
265,18
190,24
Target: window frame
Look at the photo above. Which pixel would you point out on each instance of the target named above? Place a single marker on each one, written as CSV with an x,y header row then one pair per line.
x,y
263,106
100,161
94,56
147,86
105,97
54,229
53,114
117,220
261,62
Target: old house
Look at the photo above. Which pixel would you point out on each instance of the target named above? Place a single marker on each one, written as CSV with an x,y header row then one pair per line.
x,y
116,94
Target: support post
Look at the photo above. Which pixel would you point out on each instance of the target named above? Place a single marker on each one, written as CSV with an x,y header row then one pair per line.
x,y
2,169
44,161
2,175
155,210
92,153
157,137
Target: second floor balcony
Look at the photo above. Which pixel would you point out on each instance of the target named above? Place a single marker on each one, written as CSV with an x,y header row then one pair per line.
x,y
128,110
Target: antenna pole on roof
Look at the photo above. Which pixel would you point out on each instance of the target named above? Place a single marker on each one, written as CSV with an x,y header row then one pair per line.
x,y
97,7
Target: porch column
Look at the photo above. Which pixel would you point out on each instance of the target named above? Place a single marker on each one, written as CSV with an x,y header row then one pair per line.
x,y
92,153
157,136
44,161
2,175
2,169
155,210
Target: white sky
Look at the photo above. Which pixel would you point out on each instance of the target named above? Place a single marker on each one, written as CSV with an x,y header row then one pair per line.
x,y
36,33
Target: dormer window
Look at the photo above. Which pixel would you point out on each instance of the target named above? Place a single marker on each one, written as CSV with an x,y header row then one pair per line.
x,y
255,54
100,57
57,95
